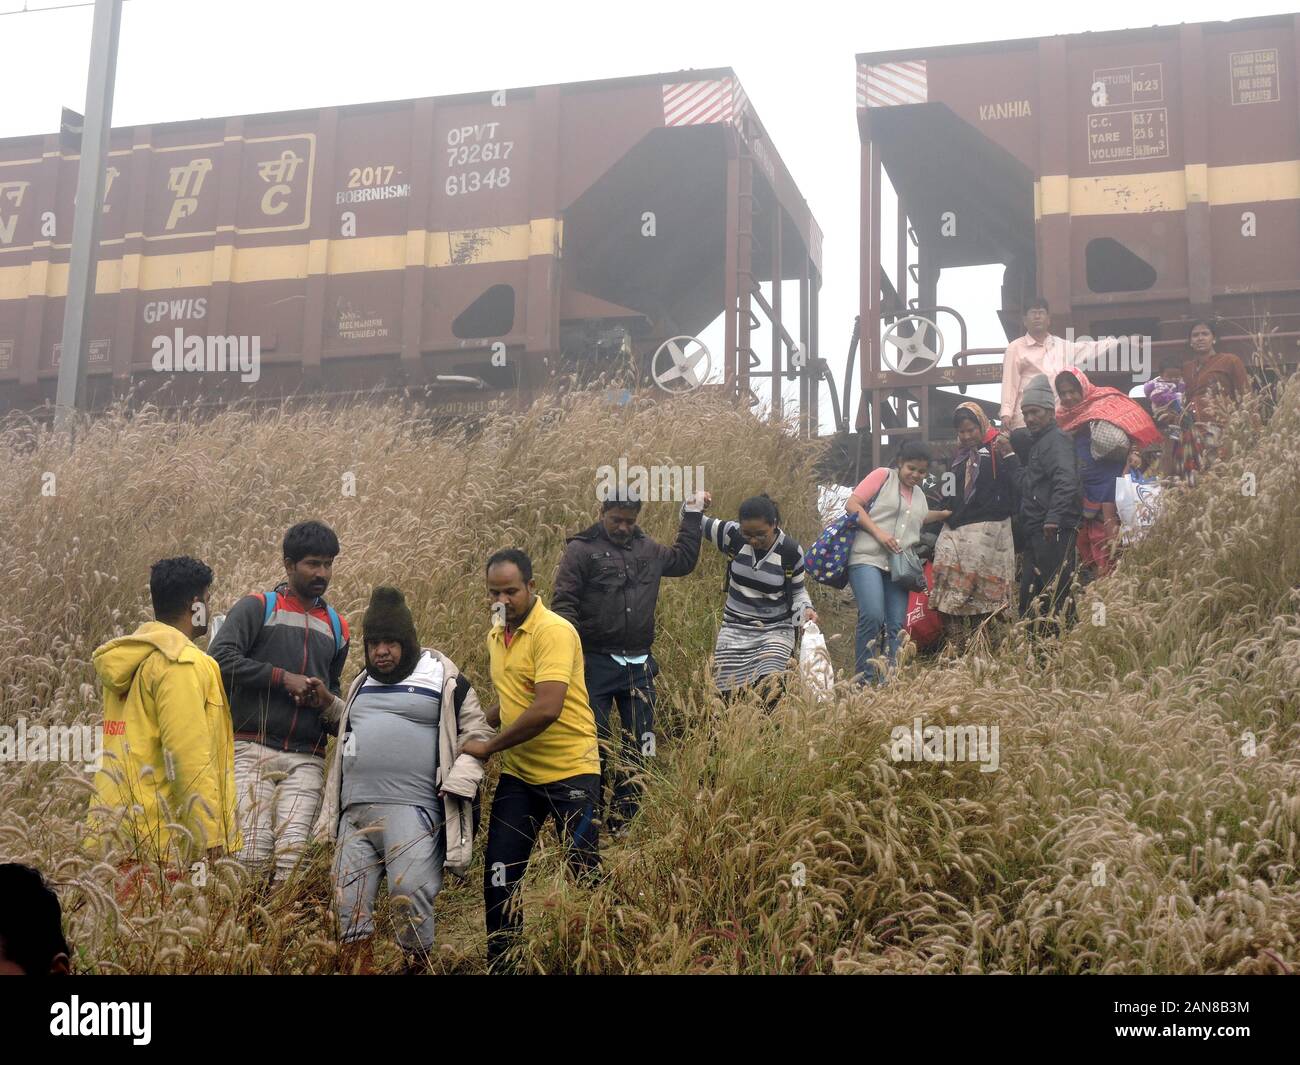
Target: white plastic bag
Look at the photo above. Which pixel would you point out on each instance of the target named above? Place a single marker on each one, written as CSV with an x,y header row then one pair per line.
x,y
815,661
1137,502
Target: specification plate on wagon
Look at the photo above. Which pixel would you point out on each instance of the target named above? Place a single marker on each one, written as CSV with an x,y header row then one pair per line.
x,y
1128,136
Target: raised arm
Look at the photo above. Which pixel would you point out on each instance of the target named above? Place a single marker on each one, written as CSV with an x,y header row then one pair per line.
x,y
681,558
719,533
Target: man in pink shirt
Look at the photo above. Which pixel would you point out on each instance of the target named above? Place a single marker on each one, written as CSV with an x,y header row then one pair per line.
x,y
1038,351
1034,353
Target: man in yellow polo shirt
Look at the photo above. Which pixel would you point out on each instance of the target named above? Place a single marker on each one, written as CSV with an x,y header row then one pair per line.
x,y
551,763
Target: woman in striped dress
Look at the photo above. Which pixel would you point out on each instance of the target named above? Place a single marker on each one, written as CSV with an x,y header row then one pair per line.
x,y
766,597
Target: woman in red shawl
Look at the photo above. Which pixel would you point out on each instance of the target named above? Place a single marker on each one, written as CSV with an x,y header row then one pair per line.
x,y
1081,404
1213,383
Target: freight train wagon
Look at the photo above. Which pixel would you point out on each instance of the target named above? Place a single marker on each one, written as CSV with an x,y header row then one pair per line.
x,y
461,245
1136,179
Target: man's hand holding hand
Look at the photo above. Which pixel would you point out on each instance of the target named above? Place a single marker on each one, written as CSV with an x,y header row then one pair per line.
x,y
477,749
298,687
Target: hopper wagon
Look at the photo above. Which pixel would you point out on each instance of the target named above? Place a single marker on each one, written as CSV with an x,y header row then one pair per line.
x,y
464,247
1135,179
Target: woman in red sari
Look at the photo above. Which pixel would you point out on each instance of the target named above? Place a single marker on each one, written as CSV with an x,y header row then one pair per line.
x,y
1081,405
1213,383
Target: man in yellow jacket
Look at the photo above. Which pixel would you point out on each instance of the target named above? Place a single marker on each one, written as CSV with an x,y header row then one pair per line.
x,y
168,741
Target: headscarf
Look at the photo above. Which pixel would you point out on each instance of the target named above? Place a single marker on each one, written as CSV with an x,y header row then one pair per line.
x,y
1100,403
971,455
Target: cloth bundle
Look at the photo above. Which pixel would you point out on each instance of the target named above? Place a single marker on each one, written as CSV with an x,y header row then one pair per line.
x,y
1109,442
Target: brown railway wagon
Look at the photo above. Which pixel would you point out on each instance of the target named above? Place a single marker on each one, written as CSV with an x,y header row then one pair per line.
x,y
460,244
1136,179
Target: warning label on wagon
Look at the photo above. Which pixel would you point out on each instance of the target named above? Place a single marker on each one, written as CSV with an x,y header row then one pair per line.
x,y
1128,136
1254,77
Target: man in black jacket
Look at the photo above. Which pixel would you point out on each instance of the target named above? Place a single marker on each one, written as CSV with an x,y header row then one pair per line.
x,y
607,586
1050,495
281,655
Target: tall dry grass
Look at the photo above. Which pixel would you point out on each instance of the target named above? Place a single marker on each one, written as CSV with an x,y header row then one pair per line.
x,y
1126,830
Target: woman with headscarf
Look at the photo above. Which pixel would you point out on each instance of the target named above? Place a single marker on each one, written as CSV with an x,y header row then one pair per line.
x,y
1212,383
974,559
1106,425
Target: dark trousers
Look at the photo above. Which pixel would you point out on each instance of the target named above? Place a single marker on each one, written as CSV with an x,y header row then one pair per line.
x,y
633,689
1046,572
519,810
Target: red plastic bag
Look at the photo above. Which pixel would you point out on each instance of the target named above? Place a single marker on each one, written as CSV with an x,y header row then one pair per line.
x,y
923,625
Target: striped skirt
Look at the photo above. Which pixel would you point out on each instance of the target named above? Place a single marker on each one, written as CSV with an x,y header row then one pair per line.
x,y
745,654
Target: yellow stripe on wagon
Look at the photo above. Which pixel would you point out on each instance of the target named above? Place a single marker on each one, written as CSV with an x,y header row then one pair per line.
x,y
1167,190
294,262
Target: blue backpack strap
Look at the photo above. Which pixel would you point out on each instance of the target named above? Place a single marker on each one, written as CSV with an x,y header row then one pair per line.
x,y
337,626
270,599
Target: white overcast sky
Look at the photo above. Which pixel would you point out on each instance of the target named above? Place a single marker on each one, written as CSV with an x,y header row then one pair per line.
x,y
182,59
